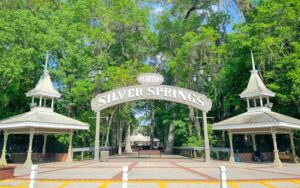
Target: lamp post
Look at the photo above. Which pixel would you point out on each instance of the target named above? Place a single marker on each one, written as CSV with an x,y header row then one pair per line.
x,y
200,78
93,75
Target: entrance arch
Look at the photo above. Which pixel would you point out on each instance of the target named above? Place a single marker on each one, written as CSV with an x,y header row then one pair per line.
x,y
150,88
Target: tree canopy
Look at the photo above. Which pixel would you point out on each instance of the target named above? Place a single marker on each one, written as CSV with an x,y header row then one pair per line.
x,y
129,37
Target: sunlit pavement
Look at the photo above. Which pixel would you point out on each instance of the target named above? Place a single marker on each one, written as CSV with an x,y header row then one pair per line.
x,y
157,173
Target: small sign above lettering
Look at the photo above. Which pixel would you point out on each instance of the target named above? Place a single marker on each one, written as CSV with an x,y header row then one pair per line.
x,y
150,79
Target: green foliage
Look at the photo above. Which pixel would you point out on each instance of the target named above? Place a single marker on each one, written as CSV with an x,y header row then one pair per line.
x,y
117,35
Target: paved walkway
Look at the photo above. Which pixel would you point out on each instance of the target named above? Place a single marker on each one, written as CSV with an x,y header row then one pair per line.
x,y
157,173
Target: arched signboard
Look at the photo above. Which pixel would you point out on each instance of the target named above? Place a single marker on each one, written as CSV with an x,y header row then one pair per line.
x,y
150,89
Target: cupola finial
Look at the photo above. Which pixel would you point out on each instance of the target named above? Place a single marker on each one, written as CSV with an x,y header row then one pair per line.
x,y
253,63
46,63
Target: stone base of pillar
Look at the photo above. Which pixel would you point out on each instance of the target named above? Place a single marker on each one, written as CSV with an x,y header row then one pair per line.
x,y
295,159
3,162
69,157
3,158
231,159
277,161
28,162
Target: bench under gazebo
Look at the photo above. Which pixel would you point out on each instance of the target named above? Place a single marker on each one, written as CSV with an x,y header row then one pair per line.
x,y
41,119
259,118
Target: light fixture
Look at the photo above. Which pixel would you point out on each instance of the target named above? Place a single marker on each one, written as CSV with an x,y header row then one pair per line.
x,y
106,78
194,78
201,70
209,77
100,69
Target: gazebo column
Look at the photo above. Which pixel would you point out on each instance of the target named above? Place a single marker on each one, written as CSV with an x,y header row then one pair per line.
x,y
295,158
70,156
277,161
3,155
44,145
254,142
248,103
28,161
231,158
261,100
206,141
96,150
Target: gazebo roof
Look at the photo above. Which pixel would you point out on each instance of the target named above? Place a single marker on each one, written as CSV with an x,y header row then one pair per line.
x,y
44,87
42,118
254,119
256,87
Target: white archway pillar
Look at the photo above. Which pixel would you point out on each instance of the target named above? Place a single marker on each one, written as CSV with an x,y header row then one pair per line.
x,y
277,161
28,161
254,142
97,148
70,153
295,158
231,158
3,155
206,141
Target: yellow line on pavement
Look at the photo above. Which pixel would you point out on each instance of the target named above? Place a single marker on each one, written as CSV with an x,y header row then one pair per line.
x,y
296,181
162,184
105,184
233,184
266,184
65,183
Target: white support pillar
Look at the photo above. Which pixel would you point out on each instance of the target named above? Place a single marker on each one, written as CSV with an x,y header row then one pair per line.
x,y
28,161
128,144
96,155
268,100
52,102
120,140
254,142
41,100
206,141
44,145
45,102
248,103
70,153
3,155
231,158
32,101
261,100
295,158
254,101
277,161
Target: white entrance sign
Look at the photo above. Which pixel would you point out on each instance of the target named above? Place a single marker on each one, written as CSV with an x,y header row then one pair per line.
x,y
157,92
151,89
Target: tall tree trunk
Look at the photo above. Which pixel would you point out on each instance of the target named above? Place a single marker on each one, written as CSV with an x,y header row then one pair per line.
x,y
152,124
109,126
194,117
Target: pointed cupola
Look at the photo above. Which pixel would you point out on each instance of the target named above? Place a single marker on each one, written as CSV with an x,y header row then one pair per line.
x,y
256,90
44,89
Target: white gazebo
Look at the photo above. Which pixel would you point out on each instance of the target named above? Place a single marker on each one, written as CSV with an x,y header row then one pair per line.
x,y
41,119
259,118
